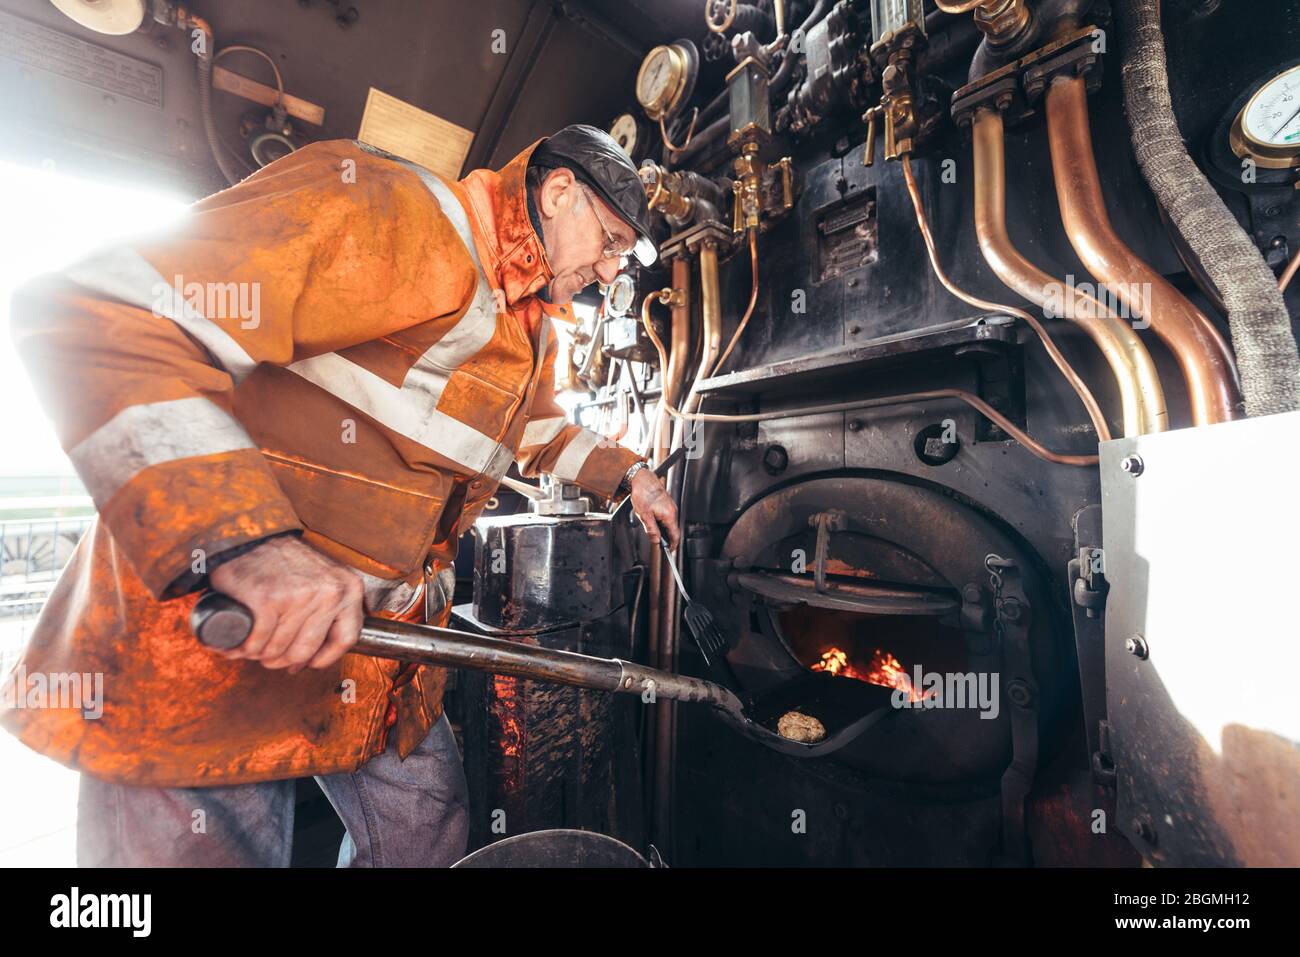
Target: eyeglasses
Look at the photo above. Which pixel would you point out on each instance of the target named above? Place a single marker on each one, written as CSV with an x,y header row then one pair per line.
x,y
614,249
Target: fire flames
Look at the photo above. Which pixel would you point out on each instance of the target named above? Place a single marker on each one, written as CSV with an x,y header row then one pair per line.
x,y
885,670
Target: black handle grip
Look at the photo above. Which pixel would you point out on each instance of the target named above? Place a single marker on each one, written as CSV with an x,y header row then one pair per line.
x,y
221,622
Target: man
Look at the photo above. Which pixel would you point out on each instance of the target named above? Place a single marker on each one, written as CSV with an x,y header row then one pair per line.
x,y
302,397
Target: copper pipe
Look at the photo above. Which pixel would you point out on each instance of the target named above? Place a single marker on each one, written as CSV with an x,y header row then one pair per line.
x,y
690,133
672,375
711,316
1202,354
1289,272
681,341
974,401
1141,395
1080,387
749,310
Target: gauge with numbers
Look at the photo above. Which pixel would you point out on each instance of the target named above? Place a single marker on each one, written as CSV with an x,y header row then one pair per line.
x,y
666,77
1267,129
625,132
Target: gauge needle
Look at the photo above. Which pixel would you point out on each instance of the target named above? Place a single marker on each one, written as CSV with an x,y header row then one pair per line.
x,y
1286,124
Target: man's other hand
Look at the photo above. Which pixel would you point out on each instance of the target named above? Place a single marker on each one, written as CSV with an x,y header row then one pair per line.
x,y
655,507
307,609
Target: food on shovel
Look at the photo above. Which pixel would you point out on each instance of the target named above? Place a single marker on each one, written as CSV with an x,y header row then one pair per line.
x,y
798,726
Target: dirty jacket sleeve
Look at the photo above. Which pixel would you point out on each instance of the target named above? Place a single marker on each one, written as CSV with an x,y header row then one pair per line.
x,y
135,352
569,452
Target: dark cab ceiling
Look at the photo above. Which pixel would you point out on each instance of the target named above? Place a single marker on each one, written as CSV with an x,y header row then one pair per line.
x,y
563,62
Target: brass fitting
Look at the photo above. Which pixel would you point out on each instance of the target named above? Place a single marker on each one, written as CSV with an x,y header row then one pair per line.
x,y
748,204
896,110
664,191
1000,20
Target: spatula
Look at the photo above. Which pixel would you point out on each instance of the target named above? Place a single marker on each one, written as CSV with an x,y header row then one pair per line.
x,y
710,641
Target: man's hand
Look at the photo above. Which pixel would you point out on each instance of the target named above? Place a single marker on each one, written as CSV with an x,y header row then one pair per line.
x,y
654,506
307,609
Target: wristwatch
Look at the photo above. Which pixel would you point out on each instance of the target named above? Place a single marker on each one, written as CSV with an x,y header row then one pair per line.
x,y
626,484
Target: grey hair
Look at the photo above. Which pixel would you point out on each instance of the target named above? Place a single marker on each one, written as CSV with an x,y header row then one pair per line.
x,y
536,176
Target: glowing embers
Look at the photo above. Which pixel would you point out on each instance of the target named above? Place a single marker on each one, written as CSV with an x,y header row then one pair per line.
x,y
878,649
507,711
884,670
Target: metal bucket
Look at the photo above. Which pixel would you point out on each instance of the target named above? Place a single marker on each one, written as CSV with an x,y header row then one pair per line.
x,y
555,848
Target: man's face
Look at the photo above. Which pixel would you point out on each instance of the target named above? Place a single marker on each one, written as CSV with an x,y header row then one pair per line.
x,y
579,229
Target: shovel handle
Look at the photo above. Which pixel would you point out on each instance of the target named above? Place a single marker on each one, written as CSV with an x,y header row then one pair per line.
x,y
221,622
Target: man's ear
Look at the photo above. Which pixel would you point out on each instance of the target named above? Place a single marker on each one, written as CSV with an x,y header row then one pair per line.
x,y
558,193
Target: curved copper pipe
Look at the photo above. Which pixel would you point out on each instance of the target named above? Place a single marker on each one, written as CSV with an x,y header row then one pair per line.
x,y
1289,273
1080,387
711,316
1202,354
673,376
749,310
1141,395
974,401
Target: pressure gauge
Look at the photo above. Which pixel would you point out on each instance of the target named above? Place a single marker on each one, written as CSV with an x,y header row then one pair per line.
x,y
1267,129
666,78
625,132
620,294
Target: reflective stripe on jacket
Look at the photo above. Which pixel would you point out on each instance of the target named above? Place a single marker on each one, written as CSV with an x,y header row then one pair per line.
x,y
340,345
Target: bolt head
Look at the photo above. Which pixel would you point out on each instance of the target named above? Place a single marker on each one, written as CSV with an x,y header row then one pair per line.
x,y
1132,464
1019,692
1137,647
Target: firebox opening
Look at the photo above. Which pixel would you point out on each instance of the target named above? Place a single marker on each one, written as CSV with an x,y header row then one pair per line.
x,y
878,649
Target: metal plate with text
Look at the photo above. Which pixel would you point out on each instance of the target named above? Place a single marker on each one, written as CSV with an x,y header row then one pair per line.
x,y
38,47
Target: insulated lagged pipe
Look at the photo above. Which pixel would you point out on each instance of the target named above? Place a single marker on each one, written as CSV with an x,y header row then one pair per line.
x,y
1257,315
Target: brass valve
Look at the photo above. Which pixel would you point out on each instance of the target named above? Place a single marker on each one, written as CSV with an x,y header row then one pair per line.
x,y
897,107
664,191
748,205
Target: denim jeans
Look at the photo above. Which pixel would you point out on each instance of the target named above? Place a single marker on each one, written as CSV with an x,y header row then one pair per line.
x,y
411,813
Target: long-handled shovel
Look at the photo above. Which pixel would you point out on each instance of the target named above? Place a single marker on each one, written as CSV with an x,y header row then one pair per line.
x,y
221,622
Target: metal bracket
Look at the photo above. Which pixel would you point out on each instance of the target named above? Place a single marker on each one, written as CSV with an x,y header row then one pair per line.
x,y
1015,89
1014,618
826,522
1086,574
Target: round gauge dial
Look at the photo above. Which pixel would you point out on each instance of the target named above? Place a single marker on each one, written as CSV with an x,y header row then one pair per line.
x,y
660,80
624,132
1268,127
620,294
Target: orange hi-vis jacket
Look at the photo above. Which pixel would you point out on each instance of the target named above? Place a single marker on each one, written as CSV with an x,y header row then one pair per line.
x,y
343,345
